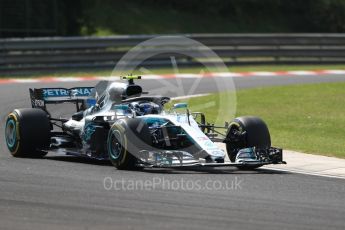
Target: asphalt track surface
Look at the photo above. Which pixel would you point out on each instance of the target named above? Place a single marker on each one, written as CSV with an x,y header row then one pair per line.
x,y
60,192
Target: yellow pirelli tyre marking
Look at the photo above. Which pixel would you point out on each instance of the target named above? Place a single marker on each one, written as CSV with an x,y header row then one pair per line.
x,y
125,150
124,144
14,116
235,124
120,127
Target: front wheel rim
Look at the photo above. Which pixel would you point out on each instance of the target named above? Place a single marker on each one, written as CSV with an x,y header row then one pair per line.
x,y
115,144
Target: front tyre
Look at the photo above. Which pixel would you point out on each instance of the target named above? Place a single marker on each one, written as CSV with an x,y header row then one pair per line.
x,y
117,145
27,132
246,132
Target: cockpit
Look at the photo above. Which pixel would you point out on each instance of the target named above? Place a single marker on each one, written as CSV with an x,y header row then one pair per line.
x,y
123,98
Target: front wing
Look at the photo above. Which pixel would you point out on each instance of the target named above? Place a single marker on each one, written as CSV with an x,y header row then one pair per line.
x,y
178,159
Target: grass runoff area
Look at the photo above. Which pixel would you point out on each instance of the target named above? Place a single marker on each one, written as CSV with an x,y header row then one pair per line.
x,y
309,118
108,72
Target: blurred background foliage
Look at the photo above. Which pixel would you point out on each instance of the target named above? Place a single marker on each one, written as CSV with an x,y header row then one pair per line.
x,y
20,18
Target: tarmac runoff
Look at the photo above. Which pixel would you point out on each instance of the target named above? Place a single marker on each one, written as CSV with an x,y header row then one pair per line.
x,y
311,164
308,164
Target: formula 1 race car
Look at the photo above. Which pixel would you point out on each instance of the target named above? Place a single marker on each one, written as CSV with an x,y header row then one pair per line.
x,y
117,121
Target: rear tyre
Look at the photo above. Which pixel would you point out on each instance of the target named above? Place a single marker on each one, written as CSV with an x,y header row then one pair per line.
x,y
27,133
255,134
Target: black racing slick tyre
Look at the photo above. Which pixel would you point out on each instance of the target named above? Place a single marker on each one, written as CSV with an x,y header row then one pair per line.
x,y
27,132
117,145
254,134
125,140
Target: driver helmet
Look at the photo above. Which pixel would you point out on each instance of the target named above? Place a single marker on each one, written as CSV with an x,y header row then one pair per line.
x,y
144,108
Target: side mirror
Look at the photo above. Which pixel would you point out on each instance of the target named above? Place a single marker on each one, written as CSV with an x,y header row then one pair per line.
x,y
121,107
180,106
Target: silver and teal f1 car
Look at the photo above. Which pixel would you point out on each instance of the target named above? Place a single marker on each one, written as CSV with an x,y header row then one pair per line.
x,y
117,121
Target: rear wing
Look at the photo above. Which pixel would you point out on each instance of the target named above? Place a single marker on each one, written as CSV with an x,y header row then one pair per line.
x,y
77,95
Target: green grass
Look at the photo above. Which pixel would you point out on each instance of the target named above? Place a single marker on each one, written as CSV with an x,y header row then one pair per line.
x,y
308,118
108,72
